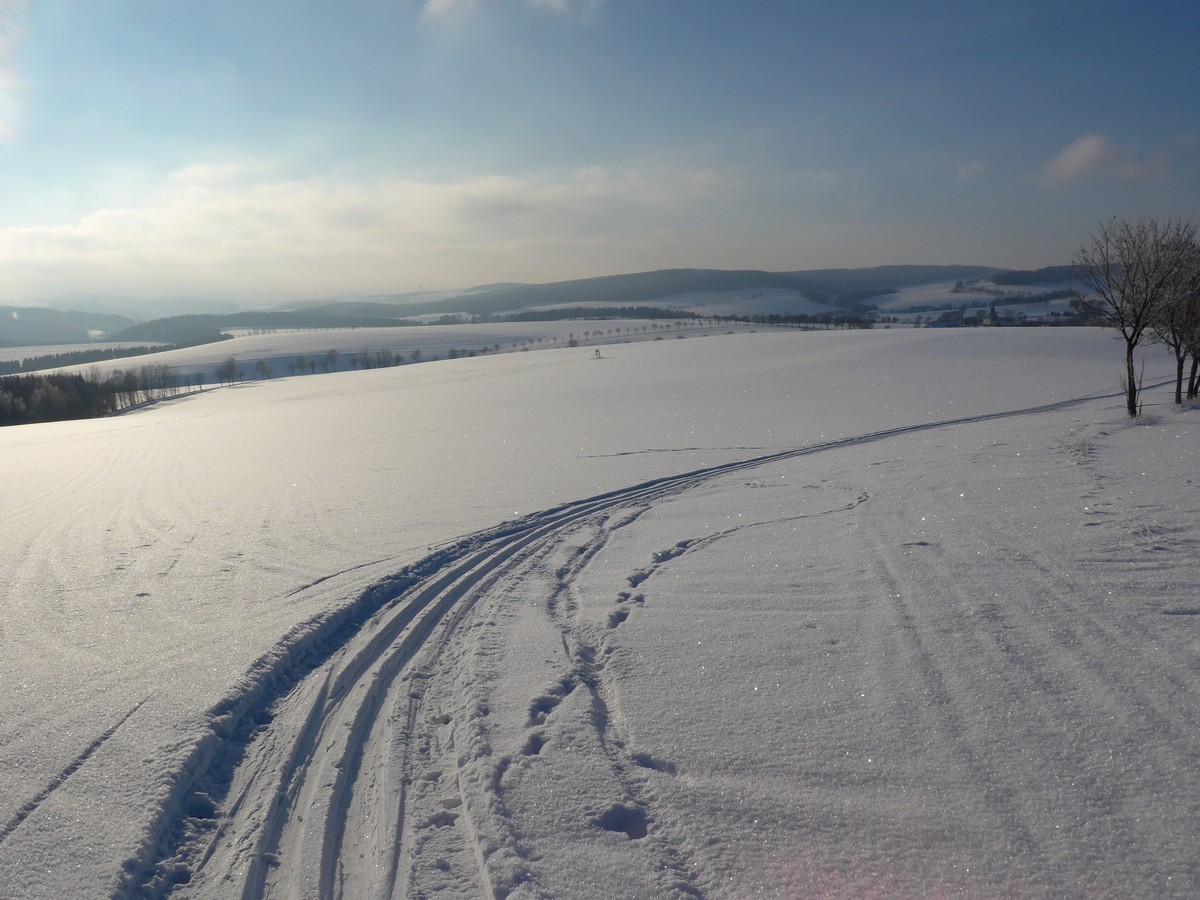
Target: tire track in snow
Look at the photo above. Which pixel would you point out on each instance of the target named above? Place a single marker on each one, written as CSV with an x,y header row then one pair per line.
x,y
292,786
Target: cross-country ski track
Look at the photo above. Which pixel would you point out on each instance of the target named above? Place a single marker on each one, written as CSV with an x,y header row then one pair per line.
x,y
366,751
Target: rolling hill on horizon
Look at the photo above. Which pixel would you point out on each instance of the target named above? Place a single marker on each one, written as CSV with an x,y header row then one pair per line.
x,y
825,286
704,291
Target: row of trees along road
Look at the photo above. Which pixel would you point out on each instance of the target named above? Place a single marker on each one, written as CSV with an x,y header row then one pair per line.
x,y
1142,277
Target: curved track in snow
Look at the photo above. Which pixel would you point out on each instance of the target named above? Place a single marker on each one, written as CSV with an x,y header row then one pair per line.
x,y
312,789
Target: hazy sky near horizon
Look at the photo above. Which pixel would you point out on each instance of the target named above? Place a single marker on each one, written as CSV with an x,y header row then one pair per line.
x,y
271,148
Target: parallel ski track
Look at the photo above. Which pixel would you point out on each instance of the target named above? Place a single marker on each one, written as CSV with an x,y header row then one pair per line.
x,y
315,767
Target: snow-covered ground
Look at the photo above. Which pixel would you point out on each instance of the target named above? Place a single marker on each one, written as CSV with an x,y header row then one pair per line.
x,y
933,294
16,354
976,297
431,342
896,613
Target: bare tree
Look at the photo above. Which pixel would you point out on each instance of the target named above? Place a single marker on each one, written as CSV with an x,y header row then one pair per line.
x,y
229,371
1193,347
1176,322
263,368
1127,270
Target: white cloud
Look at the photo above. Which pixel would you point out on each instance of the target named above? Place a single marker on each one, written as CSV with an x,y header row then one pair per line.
x,y
584,10
822,180
450,11
224,228
12,25
967,171
12,18
1094,156
446,10
215,173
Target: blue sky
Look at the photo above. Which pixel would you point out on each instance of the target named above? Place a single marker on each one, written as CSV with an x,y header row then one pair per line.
x,y
305,148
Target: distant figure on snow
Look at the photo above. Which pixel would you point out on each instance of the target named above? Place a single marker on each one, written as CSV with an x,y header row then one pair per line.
x,y
597,355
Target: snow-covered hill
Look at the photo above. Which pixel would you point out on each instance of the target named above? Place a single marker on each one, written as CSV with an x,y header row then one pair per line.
x,y
887,613
429,342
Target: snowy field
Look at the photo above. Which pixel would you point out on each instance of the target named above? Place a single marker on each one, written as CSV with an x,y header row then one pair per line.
x,y
279,348
939,293
895,613
16,354
977,297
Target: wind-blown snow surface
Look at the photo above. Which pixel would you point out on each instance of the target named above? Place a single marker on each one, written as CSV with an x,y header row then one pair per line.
x,y
724,617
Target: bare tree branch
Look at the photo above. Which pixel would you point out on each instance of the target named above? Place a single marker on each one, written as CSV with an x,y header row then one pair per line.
x,y
1130,270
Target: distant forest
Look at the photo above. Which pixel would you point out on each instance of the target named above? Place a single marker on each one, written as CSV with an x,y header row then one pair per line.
x,y
1035,276
560,314
33,325
189,331
56,396
72,358
47,398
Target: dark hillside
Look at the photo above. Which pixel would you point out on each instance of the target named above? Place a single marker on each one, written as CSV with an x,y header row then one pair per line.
x,y
1035,276
186,331
32,325
840,287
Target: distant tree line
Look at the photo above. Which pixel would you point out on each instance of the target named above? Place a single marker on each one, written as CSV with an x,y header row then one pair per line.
x,y
148,383
810,321
1035,276
73,358
381,358
680,318
1006,299
58,396
592,312
857,297
192,330
47,398
181,331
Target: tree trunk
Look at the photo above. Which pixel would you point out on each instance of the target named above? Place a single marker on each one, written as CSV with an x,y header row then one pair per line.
x,y
1193,382
1180,358
1131,385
